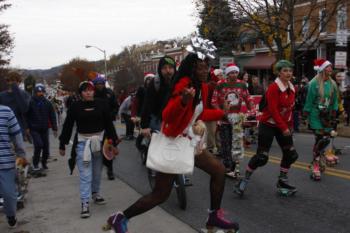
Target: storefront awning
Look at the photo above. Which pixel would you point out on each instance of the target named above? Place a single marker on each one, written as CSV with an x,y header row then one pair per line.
x,y
260,62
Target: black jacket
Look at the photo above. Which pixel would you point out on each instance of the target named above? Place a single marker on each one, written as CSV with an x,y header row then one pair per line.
x,y
40,113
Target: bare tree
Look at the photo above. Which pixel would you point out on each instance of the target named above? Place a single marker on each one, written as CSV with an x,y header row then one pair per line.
x,y
282,27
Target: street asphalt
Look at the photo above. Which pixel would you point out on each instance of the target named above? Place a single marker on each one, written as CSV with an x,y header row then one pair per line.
x,y
319,207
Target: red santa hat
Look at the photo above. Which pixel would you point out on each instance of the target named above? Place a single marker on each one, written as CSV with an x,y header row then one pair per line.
x,y
231,67
321,64
148,75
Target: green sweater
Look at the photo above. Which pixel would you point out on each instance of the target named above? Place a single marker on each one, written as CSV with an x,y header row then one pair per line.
x,y
313,102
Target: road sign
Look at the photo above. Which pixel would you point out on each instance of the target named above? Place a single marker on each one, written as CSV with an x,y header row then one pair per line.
x,y
342,38
340,60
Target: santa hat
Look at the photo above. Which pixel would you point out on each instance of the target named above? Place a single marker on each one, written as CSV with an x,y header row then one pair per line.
x,y
148,75
217,72
321,64
231,67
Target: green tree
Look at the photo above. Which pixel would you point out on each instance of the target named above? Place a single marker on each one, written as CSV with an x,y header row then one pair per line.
x,y
217,23
6,41
6,45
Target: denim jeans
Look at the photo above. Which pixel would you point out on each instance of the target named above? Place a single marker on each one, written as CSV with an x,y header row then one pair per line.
x,y
8,191
89,174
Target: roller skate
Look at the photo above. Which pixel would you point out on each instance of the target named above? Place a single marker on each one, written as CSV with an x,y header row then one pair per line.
x,y
331,158
217,223
116,223
315,170
284,188
241,187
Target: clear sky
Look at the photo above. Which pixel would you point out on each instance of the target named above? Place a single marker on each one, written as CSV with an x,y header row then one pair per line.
x,y
52,32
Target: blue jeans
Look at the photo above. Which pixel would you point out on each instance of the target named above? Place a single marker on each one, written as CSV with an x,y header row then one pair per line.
x,y
8,191
89,174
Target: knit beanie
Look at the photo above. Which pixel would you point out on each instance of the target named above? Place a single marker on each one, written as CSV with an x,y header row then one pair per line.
x,y
39,88
166,60
283,64
99,80
85,85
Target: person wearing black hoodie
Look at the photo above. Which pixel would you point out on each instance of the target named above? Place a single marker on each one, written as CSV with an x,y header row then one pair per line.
x,y
102,92
39,115
156,96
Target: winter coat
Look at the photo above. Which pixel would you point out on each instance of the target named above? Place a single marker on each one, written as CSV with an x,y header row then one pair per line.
x,y
177,117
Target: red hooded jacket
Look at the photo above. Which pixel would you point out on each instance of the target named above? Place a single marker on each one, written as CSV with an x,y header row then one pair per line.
x,y
176,117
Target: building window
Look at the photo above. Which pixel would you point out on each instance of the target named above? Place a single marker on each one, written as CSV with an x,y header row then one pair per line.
x,y
305,27
322,25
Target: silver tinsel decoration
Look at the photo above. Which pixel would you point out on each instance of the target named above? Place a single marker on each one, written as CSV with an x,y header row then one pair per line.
x,y
202,47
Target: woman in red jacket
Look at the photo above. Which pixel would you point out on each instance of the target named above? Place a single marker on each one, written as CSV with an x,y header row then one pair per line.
x,y
276,122
189,90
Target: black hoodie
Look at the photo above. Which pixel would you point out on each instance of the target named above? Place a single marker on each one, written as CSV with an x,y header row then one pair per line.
x,y
156,94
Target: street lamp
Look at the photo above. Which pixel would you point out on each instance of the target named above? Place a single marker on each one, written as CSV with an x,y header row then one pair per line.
x,y
104,53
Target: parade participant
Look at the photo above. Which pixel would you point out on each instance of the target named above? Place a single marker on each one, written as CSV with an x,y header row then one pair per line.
x,y
275,122
102,92
39,114
232,91
10,132
255,88
216,76
156,96
138,100
93,120
15,98
346,96
188,93
125,114
320,109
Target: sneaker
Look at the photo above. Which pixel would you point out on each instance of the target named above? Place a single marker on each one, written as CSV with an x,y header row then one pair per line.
x,y
36,168
231,174
85,210
216,220
118,222
44,166
98,200
12,222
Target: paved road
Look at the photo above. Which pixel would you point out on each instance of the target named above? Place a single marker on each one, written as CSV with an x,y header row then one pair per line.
x,y
318,207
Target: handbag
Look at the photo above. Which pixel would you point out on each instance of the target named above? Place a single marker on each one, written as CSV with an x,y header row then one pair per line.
x,y
173,155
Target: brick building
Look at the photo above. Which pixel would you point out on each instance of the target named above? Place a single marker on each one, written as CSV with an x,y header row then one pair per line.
x,y
316,30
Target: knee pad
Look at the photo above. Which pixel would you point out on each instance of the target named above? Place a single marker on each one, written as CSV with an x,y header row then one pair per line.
x,y
292,155
261,159
323,143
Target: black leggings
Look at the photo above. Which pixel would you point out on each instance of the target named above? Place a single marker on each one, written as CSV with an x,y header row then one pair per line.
x,y
265,139
164,184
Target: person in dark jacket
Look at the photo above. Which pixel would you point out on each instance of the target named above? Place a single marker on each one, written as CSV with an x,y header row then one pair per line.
x,y
15,98
39,115
156,96
93,122
102,92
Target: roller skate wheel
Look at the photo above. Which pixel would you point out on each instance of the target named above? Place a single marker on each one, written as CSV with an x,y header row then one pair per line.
x,y
107,227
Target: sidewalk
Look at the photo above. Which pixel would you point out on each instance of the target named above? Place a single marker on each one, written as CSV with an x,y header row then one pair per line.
x,y
53,205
